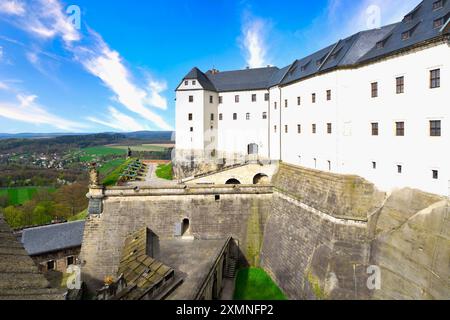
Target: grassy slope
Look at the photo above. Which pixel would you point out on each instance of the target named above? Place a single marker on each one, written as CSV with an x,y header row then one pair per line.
x,y
109,166
18,196
81,216
164,171
112,178
255,284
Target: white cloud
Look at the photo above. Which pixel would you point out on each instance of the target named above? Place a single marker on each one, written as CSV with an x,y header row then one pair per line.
x,y
12,7
46,19
1,53
253,42
107,65
25,109
119,121
3,86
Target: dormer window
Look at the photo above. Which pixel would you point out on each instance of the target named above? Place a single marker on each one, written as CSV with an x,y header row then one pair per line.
x,y
305,66
194,83
292,70
186,83
408,18
438,4
438,23
380,44
406,35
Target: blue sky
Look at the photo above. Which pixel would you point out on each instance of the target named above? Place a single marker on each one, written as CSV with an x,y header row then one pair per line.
x,y
115,66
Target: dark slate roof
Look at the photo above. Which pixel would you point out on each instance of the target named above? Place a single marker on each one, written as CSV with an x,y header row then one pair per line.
x,y
420,25
248,79
196,74
53,238
19,276
358,48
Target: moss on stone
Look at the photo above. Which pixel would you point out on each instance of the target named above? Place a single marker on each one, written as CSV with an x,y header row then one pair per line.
x,y
254,235
314,284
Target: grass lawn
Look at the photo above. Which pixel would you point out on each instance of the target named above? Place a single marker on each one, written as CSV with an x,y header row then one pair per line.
x,y
89,154
164,171
142,147
112,178
255,284
18,196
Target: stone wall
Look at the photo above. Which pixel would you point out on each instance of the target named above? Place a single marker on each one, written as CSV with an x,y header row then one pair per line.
x,y
312,255
240,213
341,196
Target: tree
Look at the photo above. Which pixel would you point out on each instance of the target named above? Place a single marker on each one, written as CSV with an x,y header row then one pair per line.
x,y
13,216
72,197
41,215
4,201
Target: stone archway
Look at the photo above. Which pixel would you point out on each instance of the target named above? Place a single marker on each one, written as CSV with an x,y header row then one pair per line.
x,y
233,181
261,178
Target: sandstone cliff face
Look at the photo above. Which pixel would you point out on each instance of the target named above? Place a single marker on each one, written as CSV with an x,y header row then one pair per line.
x,y
412,247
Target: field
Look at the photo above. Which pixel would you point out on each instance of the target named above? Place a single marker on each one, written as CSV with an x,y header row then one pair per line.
x,y
109,166
18,196
144,147
113,177
90,154
255,284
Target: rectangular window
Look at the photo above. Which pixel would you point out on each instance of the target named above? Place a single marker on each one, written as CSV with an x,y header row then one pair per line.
x,y
220,99
266,97
375,129
435,174
399,169
435,128
234,116
186,83
190,117
220,116
275,129
191,99
299,128
236,99
50,265
313,97
399,129
194,83
374,87
438,4
286,129
299,101
400,83
374,165
314,128
286,103
253,97
70,261
329,128
328,95
435,78
211,99
247,116
275,105
191,129
212,116
264,115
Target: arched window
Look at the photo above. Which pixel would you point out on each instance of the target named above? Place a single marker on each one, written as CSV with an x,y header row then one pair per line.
x,y
185,228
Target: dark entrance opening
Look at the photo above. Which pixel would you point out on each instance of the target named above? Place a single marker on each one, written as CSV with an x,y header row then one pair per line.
x,y
185,228
252,148
261,178
233,181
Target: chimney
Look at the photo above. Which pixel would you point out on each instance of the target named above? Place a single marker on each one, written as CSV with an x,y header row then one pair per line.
x,y
214,71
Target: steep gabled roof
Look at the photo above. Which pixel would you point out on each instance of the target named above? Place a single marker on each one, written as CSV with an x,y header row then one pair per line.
x,y
196,74
19,276
53,237
419,22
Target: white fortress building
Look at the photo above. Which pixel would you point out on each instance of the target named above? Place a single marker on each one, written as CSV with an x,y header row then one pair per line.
x,y
376,105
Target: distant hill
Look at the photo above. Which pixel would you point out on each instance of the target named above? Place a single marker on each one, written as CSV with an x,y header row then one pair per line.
x,y
144,135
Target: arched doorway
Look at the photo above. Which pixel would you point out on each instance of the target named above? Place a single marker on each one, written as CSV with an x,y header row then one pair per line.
x,y
185,228
233,181
261,178
252,148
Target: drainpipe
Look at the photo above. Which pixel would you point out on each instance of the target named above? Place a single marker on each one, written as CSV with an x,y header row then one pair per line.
x,y
281,129
268,125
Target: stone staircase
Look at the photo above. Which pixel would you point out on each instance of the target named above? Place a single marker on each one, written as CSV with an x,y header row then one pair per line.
x,y
230,268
